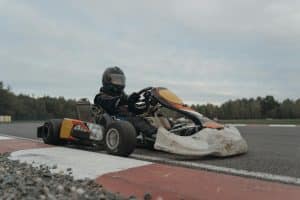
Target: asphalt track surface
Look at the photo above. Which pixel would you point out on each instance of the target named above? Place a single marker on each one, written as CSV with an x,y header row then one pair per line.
x,y
273,150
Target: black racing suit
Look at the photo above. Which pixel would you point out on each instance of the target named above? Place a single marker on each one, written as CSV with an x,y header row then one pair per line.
x,y
117,105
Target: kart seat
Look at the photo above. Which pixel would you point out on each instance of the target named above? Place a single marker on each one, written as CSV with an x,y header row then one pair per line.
x,y
84,107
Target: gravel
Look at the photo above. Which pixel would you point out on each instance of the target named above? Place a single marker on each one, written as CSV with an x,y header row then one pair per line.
x,y
23,181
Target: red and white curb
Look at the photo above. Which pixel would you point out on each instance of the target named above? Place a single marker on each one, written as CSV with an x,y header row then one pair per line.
x,y
84,164
135,177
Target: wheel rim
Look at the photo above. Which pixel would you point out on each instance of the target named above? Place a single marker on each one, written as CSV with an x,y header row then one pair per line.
x,y
112,138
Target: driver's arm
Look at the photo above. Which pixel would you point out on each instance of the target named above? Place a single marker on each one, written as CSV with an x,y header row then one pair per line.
x,y
109,103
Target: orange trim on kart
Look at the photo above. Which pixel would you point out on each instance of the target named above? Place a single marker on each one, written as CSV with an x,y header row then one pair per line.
x,y
67,125
213,125
169,96
182,107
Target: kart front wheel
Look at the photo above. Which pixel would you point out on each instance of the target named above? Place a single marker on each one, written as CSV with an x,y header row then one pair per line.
x,y
120,138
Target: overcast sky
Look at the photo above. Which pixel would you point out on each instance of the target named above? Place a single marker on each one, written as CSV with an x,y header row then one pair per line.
x,y
205,51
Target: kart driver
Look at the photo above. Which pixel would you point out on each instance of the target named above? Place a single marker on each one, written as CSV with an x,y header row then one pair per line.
x,y
114,100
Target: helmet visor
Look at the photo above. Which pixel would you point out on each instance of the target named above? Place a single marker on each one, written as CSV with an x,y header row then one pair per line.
x,y
117,79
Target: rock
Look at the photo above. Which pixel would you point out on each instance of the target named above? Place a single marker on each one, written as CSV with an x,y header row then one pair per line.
x,y
132,198
48,175
73,189
60,188
102,197
147,196
80,191
24,181
38,180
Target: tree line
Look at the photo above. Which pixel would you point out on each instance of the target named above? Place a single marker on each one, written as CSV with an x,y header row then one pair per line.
x,y
25,107
259,108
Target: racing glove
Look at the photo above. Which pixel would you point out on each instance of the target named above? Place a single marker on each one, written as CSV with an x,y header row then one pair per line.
x,y
134,97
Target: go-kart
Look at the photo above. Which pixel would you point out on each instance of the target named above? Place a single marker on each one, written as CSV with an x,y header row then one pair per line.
x,y
180,129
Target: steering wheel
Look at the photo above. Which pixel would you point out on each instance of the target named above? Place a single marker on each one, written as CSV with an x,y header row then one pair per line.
x,y
138,102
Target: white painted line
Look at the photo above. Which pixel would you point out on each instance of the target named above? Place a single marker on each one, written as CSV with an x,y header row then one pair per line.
x,y
282,125
5,138
84,164
245,173
269,125
21,138
237,125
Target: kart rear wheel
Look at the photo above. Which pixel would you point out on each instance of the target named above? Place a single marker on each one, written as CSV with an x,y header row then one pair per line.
x,y
120,138
51,131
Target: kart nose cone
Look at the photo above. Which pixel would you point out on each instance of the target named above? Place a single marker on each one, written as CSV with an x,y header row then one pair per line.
x,y
221,143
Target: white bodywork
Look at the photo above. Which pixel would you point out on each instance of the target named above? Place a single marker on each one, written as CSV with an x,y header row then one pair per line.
x,y
224,142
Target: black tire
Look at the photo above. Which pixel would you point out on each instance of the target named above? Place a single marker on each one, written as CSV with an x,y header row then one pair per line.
x,y
52,131
126,138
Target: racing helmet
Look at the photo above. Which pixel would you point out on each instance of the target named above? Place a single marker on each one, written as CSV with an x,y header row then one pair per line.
x,y
113,80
